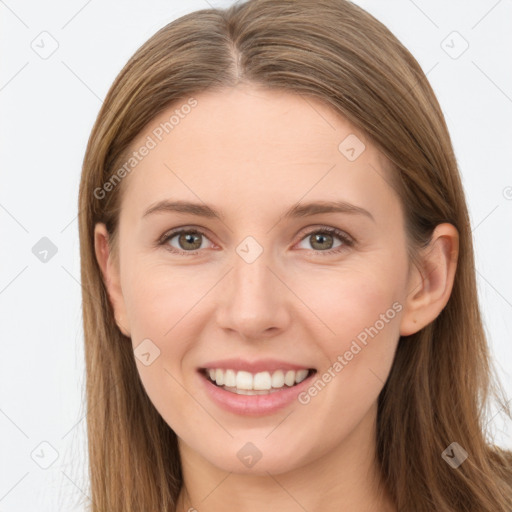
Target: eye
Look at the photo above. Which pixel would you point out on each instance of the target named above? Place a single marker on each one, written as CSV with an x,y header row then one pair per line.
x,y
322,239
189,239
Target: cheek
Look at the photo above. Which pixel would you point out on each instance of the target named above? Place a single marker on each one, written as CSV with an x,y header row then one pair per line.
x,y
160,307
160,301
357,356
359,317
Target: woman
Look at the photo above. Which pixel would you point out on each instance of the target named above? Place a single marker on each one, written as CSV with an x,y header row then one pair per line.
x,y
319,346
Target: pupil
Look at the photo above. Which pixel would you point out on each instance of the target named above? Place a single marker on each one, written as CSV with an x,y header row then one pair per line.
x,y
189,238
320,238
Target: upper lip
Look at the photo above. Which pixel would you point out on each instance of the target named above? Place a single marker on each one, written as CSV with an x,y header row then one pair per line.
x,y
260,365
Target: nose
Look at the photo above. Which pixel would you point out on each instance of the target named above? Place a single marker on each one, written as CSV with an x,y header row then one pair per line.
x,y
252,300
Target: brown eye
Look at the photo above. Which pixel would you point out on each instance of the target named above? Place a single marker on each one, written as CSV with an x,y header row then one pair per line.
x,y
187,241
323,240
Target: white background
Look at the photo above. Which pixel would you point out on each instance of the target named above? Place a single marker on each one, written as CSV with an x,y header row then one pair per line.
x,y
48,107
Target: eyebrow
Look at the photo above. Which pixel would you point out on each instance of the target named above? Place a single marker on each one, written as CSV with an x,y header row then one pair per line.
x,y
296,211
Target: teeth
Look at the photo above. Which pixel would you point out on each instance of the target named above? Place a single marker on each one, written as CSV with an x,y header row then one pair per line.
x,y
301,375
278,379
262,381
246,383
243,380
289,378
230,378
219,377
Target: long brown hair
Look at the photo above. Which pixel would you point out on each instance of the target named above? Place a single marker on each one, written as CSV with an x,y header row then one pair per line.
x,y
441,382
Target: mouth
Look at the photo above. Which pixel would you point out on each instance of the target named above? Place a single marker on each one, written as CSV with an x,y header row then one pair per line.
x,y
243,382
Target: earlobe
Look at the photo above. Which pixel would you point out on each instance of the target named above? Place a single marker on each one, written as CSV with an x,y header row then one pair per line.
x,y
430,286
110,274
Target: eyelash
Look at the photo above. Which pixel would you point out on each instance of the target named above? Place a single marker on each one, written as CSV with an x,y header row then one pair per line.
x,y
347,241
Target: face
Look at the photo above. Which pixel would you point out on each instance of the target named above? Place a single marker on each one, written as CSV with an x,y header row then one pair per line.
x,y
273,293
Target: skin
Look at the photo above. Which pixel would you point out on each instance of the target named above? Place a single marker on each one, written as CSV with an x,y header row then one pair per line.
x,y
253,153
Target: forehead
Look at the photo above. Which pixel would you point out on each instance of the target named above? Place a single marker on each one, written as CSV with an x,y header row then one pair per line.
x,y
254,148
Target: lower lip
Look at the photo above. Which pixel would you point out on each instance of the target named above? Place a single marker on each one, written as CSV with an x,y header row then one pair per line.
x,y
253,405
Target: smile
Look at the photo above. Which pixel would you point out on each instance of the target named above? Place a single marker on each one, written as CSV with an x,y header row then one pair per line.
x,y
261,383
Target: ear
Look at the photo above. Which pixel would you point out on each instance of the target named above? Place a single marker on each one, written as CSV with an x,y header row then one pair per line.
x,y
430,287
111,276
